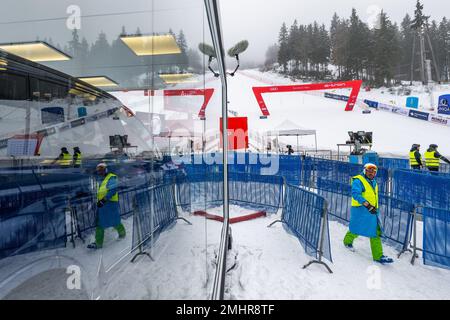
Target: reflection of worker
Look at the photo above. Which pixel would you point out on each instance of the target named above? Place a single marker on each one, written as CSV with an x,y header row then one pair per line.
x,y
415,158
432,157
77,157
64,159
364,213
108,214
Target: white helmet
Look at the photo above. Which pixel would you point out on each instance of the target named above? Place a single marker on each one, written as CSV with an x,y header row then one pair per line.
x,y
370,166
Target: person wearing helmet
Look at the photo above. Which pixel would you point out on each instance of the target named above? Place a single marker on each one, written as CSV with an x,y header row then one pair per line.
x,y
364,219
108,213
64,159
433,157
415,158
77,157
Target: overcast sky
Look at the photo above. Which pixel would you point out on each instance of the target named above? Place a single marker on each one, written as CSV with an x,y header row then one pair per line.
x,y
259,21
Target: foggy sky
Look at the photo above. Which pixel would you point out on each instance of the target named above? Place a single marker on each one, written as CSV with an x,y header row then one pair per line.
x,y
259,21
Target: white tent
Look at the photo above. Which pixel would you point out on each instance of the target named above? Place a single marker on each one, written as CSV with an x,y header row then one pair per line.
x,y
290,129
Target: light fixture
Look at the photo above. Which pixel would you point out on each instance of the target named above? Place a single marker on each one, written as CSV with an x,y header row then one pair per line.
x,y
177,78
99,81
146,45
38,51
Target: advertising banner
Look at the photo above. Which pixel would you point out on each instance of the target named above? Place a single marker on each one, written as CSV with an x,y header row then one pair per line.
x,y
439,120
443,107
402,111
372,104
419,115
237,133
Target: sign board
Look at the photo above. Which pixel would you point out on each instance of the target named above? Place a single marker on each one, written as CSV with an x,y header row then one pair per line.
x,y
412,102
237,133
24,145
444,104
419,115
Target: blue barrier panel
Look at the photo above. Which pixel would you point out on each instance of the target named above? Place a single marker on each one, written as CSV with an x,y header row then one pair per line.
x,y
396,219
422,188
33,231
303,213
256,192
393,163
155,211
339,198
436,237
200,192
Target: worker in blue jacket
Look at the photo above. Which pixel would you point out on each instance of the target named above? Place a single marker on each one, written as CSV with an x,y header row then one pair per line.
x,y
364,220
108,213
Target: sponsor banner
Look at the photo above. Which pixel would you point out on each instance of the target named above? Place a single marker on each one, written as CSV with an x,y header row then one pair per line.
x,y
419,115
354,85
372,104
439,120
385,107
443,107
336,96
403,112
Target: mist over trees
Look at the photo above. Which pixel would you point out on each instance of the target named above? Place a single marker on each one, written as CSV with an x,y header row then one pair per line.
x,y
381,54
114,59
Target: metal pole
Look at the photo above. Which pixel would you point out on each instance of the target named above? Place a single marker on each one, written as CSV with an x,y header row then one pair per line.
x,y
436,68
412,58
212,10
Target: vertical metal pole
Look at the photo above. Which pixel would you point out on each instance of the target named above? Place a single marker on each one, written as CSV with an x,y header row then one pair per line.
x,y
412,58
212,10
436,68
414,236
422,56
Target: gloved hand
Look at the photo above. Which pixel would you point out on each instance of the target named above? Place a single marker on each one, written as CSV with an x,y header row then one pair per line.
x,y
101,203
371,208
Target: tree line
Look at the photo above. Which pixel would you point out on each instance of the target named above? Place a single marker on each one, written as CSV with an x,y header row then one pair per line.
x,y
115,60
380,55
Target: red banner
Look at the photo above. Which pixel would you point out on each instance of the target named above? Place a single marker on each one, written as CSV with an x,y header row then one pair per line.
x,y
206,93
237,133
354,85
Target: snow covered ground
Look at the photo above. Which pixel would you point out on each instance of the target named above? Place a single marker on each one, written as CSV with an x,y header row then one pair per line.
x,y
265,263
393,134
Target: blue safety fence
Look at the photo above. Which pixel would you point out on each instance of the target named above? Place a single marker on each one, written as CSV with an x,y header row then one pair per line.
x,y
396,163
32,231
421,188
339,198
155,211
304,213
36,206
396,216
436,237
342,172
200,192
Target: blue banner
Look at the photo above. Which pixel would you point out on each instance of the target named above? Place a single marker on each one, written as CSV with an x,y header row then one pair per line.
x,y
419,115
